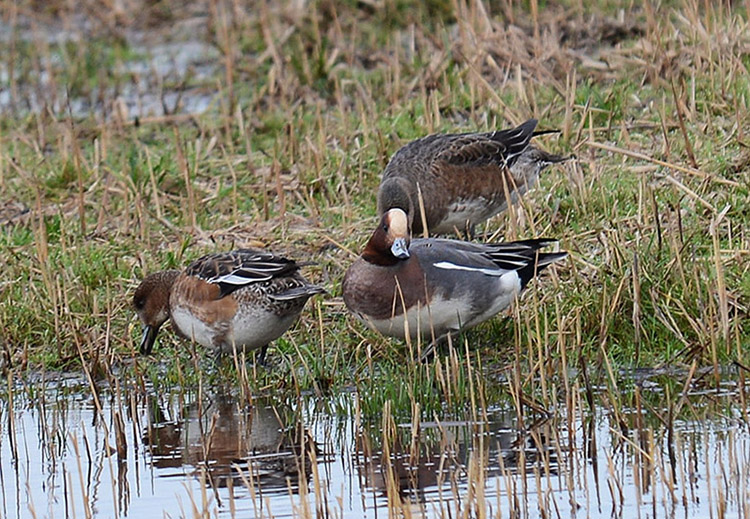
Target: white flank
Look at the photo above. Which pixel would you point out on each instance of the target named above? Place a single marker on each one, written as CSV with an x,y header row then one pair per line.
x,y
441,316
254,327
193,328
250,328
510,286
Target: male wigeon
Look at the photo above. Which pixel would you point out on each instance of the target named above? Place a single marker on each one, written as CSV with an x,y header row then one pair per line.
x,y
243,299
433,287
463,179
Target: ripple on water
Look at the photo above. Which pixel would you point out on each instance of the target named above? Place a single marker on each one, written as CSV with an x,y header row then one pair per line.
x,y
147,454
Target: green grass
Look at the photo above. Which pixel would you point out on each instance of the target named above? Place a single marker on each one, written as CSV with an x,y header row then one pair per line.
x,y
658,271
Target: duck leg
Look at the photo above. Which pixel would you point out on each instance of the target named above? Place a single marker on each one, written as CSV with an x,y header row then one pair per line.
x,y
260,358
469,231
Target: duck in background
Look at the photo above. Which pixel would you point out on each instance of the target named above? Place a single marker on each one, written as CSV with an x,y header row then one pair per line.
x,y
463,179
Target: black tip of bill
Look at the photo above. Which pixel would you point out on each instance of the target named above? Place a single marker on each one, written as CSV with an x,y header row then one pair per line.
x,y
148,339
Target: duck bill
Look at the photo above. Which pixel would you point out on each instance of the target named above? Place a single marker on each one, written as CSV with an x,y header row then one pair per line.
x,y
400,248
148,339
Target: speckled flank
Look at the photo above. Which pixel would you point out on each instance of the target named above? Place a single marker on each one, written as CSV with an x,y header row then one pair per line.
x,y
268,295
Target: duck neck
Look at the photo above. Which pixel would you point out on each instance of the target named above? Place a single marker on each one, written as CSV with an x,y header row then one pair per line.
x,y
379,259
167,279
397,192
162,290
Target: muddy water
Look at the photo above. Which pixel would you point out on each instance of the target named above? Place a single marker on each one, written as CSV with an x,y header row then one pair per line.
x,y
65,453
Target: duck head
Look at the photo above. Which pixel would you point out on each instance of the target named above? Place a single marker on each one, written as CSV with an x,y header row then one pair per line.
x,y
397,192
389,243
151,304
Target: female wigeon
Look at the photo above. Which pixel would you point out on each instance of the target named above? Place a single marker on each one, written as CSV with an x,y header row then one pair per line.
x,y
433,287
243,299
463,179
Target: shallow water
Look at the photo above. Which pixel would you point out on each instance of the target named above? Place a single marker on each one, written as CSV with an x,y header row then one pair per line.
x,y
65,453
166,72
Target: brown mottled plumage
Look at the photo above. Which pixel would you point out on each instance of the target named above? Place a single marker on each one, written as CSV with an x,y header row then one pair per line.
x,y
242,299
464,179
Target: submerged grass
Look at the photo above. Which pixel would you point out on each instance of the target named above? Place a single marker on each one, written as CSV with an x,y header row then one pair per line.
x,y
307,103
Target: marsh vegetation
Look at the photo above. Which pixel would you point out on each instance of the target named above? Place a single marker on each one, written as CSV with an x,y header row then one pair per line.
x,y
138,136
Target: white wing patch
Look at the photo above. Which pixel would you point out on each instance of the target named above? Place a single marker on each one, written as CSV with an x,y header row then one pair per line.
x,y
447,265
233,279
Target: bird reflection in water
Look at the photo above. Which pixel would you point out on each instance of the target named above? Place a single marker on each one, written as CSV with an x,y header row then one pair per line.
x,y
232,445
417,464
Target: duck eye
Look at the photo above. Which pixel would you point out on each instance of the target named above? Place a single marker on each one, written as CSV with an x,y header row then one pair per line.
x,y
139,304
385,227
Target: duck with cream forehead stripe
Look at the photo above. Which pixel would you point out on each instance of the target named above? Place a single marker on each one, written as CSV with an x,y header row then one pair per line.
x,y
432,287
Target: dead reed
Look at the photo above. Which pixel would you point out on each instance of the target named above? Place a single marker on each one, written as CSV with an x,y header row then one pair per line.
x,y
272,131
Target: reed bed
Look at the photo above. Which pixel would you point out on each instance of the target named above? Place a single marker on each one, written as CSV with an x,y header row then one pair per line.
x,y
138,136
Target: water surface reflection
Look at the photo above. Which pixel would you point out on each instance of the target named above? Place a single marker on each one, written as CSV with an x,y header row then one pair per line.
x,y
65,452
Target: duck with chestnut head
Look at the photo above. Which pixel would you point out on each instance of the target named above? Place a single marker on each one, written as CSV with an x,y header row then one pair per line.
x,y
241,300
432,287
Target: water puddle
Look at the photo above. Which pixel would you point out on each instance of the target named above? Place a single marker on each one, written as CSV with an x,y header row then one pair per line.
x,y
153,73
65,453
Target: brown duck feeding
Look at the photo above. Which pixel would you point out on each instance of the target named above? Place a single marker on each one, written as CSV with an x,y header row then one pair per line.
x,y
463,179
242,299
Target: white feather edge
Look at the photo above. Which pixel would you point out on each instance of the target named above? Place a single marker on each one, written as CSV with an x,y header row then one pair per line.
x,y
447,265
233,279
